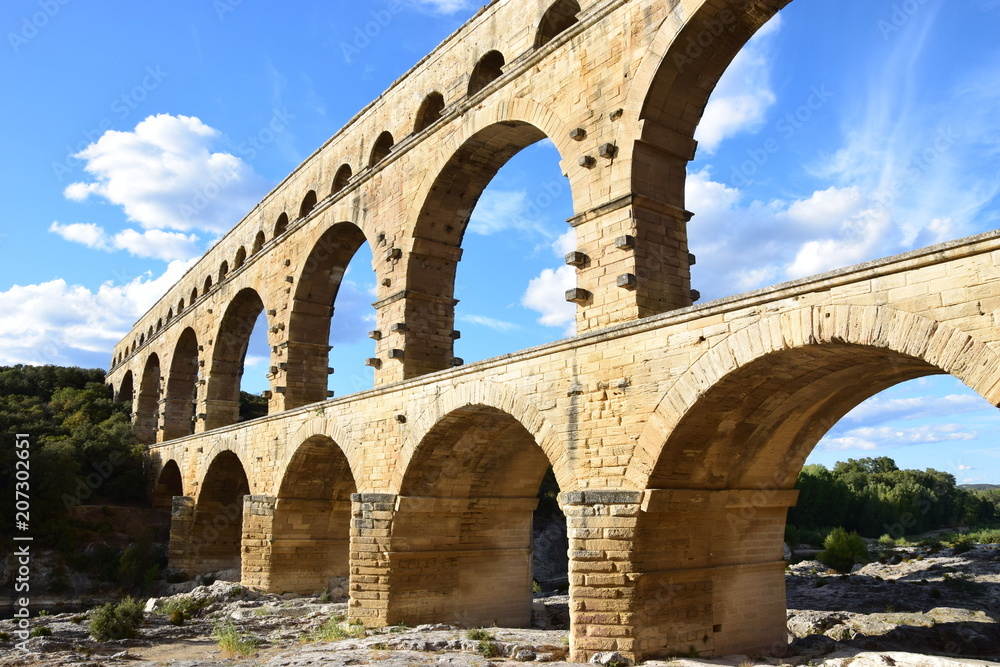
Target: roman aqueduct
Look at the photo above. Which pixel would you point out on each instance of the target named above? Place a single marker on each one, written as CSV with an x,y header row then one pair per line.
x,y
675,431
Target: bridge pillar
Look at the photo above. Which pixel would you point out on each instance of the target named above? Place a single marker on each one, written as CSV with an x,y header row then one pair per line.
x,y
216,413
205,537
632,261
601,526
177,419
371,529
181,522
256,545
709,572
416,332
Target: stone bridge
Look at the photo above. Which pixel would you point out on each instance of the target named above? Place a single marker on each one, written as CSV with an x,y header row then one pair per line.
x,y
675,432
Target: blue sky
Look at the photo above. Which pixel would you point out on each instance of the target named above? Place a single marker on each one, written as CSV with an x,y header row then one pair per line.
x,y
844,132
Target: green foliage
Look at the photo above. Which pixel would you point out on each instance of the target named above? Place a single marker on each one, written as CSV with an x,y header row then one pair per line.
x,y
479,634
188,607
231,642
333,630
252,406
843,550
873,497
40,631
4,636
116,621
82,445
177,617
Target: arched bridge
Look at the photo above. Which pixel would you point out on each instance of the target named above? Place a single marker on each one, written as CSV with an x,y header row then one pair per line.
x,y
675,432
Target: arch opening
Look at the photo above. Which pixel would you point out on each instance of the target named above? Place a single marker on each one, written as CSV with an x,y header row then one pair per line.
x,y
281,226
229,357
241,258
718,496
223,270
308,204
147,409
342,178
429,111
180,406
381,149
488,69
258,243
126,389
194,295
467,506
169,483
557,18
217,526
312,521
542,194
315,324
208,285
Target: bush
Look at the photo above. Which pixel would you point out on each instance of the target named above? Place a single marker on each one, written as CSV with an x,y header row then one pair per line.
x,y
188,607
963,544
120,621
40,631
231,641
843,550
177,617
4,636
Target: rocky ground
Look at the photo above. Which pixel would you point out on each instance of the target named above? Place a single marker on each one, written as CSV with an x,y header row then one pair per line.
x,y
924,609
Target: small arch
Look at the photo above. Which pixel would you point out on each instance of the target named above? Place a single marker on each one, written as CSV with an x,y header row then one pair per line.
x,y
147,406
383,145
258,243
208,284
241,257
170,314
180,307
557,18
150,334
194,295
168,484
134,345
489,68
159,324
223,270
342,178
429,112
281,225
308,204
142,339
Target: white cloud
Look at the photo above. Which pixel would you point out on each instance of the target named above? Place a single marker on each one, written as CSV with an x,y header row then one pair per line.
x,y
546,294
743,95
565,243
88,234
165,176
500,326
443,6
881,409
57,323
885,437
158,244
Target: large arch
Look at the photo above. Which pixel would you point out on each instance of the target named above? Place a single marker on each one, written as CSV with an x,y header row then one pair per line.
x,y
169,483
722,453
310,546
312,309
181,397
217,524
147,404
126,388
459,181
462,534
228,355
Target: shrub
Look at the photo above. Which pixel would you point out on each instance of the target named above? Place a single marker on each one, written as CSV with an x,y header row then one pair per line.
x,y
4,636
963,544
231,641
189,607
479,634
177,617
843,550
40,631
116,621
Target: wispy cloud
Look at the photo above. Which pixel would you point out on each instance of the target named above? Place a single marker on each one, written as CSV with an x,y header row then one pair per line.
x,y
499,326
885,437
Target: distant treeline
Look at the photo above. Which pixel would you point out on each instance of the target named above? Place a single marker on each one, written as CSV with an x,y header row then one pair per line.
x,y
874,497
82,446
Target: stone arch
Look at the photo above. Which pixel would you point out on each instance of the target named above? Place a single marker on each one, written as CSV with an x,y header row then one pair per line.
x,y
316,290
258,243
126,389
342,178
180,306
381,149
208,284
159,324
560,16
147,404
182,388
722,452
228,355
429,111
488,69
169,483
308,204
170,314
281,225
142,339
217,524
241,258
194,295
223,270
310,545
452,190
464,521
